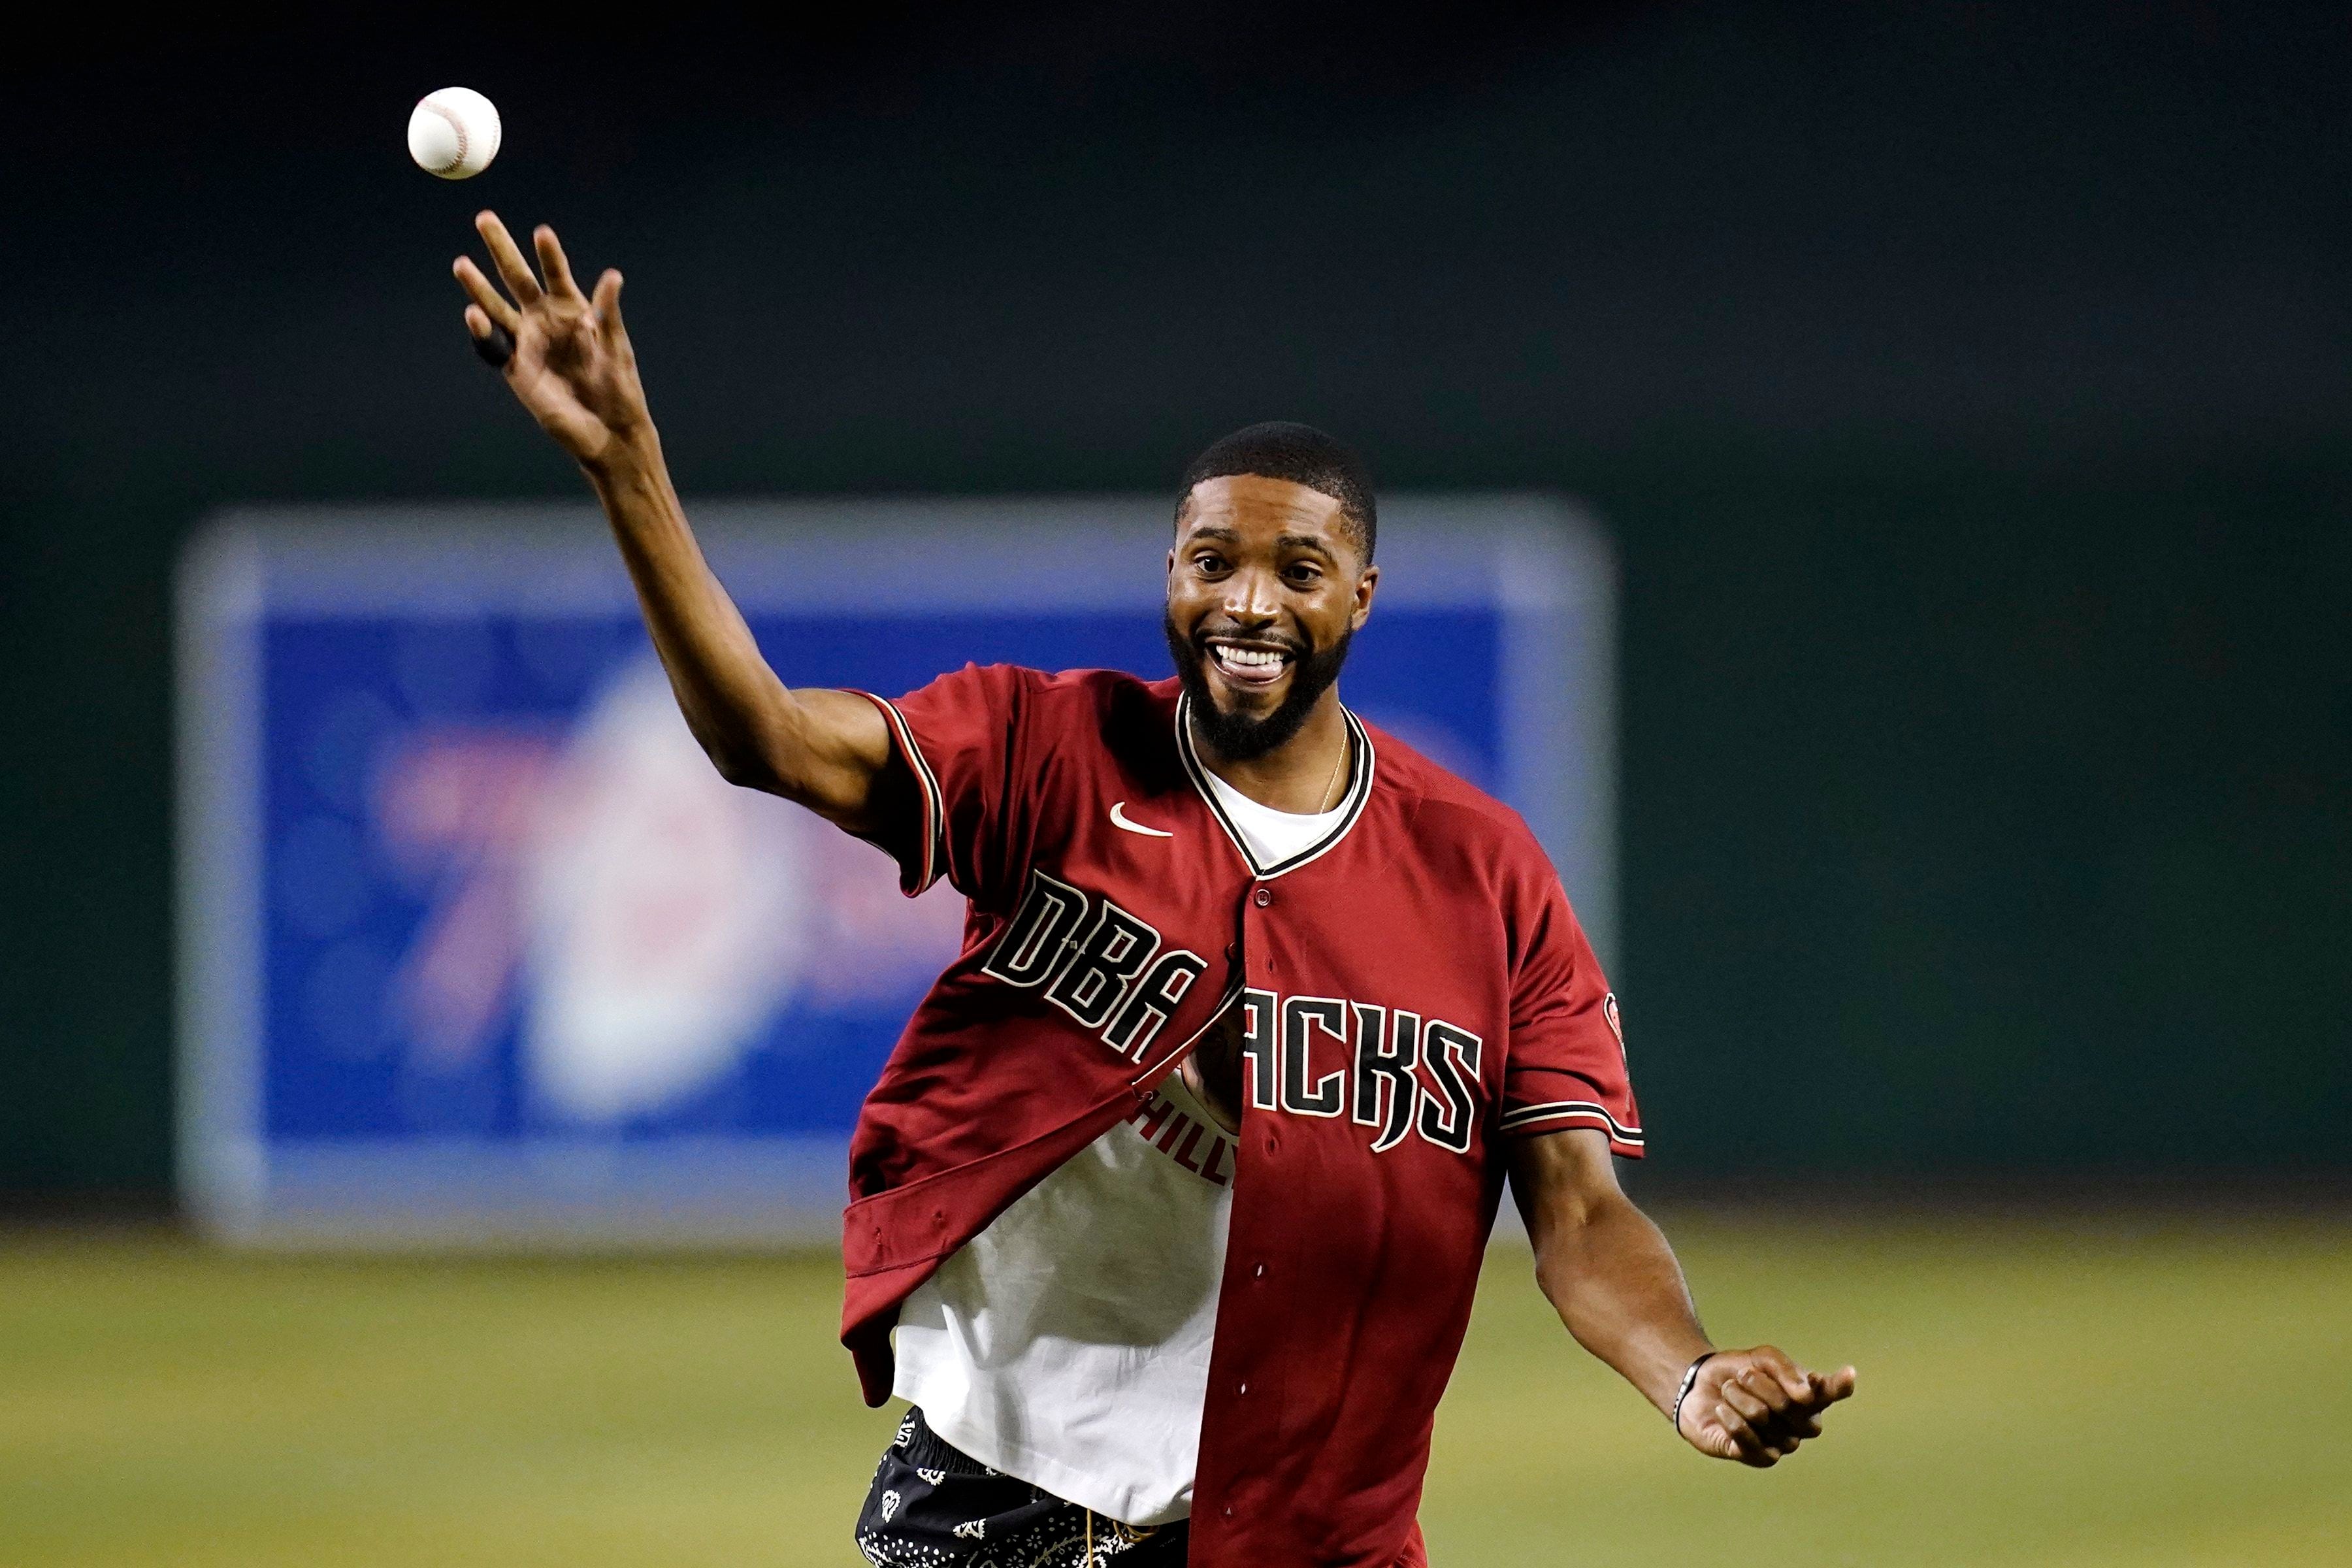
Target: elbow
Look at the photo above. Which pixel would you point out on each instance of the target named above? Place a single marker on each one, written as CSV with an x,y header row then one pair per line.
x,y
742,766
735,751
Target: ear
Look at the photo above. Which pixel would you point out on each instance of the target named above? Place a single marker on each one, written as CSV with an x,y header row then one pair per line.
x,y
1365,586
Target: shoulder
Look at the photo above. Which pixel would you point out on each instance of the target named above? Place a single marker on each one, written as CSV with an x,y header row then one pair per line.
x,y
1095,701
1068,714
1057,694
1449,817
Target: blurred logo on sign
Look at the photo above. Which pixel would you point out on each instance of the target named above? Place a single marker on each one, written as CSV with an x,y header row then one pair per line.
x,y
638,922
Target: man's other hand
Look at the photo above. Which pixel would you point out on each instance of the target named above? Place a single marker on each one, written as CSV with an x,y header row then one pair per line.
x,y
1756,1406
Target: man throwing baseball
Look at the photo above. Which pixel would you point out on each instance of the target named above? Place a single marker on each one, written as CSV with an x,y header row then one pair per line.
x,y
1168,1209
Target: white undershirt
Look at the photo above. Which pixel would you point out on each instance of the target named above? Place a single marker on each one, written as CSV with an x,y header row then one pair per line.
x,y
1067,1345
1272,836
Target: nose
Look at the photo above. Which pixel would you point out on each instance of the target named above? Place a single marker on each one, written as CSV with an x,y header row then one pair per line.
x,y
1252,596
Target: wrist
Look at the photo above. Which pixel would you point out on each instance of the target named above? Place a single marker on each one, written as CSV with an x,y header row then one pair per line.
x,y
1683,1389
630,454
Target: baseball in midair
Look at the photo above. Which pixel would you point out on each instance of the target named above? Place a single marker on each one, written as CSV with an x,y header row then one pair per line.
x,y
454,133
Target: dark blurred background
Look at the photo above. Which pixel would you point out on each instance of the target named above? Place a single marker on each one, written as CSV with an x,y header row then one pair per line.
x,y
1967,388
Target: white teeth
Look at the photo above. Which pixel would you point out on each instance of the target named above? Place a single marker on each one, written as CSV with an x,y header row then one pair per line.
x,y
1249,657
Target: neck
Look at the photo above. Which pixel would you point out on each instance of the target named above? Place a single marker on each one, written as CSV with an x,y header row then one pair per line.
x,y
1297,776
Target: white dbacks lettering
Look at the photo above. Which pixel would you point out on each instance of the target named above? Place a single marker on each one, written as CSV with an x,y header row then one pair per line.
x,y
1384,1068
1388,1069
1095,961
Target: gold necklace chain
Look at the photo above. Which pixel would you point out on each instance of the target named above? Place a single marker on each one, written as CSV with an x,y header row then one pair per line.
x,y
1347,745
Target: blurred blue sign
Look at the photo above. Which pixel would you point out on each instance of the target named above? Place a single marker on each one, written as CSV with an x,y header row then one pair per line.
x,y
478,948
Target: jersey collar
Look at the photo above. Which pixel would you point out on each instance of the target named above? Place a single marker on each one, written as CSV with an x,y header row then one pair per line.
x,y
1351,805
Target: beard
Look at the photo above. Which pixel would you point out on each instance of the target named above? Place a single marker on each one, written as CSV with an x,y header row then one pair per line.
x,y
1244,737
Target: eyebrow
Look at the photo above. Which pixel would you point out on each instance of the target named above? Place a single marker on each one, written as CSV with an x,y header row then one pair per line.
x,y
1281,542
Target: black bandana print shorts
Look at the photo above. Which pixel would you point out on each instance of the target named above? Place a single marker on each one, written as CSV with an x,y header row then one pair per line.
x,y
933,1506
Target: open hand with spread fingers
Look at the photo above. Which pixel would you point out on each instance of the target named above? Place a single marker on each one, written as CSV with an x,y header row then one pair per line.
x,y
570,361
1756,1406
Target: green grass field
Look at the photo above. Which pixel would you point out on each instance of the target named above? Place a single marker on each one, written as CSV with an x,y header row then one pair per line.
x,y
2141,1392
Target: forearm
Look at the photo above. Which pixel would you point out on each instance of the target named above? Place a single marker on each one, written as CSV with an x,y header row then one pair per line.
x,y
1609,1273
732,701
756,731
1615,1284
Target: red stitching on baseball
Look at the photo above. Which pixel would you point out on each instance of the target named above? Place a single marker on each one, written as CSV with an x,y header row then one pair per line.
x,y
455,124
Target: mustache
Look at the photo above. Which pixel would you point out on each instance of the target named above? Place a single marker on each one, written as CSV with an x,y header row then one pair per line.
x,y
1298,648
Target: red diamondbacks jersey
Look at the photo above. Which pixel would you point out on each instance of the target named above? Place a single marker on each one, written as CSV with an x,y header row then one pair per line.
x,y
1414,991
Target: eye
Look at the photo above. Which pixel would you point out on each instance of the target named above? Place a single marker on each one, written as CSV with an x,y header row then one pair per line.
x,y
1303,573
1208,562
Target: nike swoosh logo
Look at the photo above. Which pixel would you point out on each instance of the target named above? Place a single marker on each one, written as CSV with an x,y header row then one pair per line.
x,y
1118,819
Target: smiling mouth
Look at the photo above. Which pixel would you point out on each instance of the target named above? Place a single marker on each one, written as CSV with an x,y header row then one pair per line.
x,y
1248,664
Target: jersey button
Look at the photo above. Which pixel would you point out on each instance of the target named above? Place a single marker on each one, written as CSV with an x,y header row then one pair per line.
x,y
1262,897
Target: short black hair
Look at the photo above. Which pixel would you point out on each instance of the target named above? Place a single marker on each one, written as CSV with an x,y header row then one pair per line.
x,y
1281,450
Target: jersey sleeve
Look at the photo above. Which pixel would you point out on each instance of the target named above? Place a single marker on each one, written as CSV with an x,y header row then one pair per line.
x,y
1566,1062
960,737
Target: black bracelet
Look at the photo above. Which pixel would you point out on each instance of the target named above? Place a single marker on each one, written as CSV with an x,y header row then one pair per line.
x,y
1690,1381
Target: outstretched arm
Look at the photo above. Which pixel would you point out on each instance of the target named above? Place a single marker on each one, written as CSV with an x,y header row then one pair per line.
x,y
1614,1282
572,367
